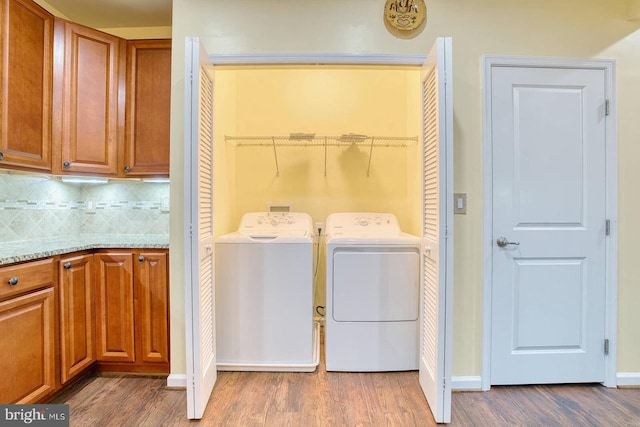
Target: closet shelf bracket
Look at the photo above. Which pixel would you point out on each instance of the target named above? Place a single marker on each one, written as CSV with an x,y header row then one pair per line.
x,y
275,155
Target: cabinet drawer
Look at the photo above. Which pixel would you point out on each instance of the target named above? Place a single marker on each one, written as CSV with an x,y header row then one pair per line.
x,y
27,276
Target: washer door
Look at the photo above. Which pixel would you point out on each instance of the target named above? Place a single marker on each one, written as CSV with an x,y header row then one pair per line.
x,y
375,286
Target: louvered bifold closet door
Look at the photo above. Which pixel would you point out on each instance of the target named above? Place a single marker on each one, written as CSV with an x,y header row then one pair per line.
x,y
428,350
436,295
199,232
205,218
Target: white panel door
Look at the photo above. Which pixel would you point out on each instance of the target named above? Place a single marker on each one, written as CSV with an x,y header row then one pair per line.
x,y
436,308
198,231
548,290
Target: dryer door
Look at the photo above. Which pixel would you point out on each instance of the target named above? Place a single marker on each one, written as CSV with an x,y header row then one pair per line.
x,y
376,286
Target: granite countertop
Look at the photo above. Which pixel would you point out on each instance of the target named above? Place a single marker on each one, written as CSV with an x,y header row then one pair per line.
x,y
26,250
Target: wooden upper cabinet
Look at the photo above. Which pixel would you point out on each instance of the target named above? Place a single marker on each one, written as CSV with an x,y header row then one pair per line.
x,y
91,70
146,151
26,52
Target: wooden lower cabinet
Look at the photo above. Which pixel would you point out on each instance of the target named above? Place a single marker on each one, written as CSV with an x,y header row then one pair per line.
x,y
77,315
132,308
114,307
27,347
64,315
152,306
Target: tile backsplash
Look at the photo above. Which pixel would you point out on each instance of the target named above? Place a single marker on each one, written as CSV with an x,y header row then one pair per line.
x,y
37,206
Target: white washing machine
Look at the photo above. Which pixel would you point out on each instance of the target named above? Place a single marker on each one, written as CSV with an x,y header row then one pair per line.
x,y
264,295
372,308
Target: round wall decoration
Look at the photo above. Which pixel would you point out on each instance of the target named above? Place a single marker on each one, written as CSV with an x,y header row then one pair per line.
x,y
405,18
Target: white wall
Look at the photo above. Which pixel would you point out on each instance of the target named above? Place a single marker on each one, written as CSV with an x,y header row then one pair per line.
x,y
576,28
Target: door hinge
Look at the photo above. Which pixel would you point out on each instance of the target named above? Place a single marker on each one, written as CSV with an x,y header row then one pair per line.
x,y
607,227
606,346
606,107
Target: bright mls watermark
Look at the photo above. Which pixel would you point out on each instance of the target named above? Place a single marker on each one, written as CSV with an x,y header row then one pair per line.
x,y
34,415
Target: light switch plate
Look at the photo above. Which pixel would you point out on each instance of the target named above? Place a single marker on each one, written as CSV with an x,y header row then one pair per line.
x,y
460,203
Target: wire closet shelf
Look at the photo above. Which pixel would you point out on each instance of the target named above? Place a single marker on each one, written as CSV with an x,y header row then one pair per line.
x,y
312,140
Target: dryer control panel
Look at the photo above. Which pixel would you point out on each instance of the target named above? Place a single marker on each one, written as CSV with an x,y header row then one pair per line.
x,y
368,223
276,224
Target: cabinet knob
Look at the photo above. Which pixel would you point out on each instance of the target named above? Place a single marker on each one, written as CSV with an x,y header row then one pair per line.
x,y
127,169
66,165
141,258
67,265
13,281
1,155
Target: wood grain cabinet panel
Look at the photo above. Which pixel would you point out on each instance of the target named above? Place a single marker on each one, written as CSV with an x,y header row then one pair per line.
x,y
91,80
115,333
152,290
132,310
77,315
27,343
148,106
26,277
26,82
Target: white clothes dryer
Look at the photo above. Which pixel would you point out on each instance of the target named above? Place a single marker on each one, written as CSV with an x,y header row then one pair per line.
x,y
264,295
372,294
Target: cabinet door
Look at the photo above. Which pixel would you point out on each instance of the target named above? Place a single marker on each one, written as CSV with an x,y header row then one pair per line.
x,y
152,299
148,108
26,49
27,343
77,314
114,307
91,80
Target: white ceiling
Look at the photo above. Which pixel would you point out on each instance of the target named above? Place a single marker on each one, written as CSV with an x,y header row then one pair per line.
x,y
116,13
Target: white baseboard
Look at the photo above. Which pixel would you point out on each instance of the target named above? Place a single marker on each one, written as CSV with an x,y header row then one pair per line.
x,y
623,379
628,379
177,381
466,383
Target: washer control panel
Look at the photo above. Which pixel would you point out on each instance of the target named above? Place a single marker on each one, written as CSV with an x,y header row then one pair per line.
x,y
276,224
362,223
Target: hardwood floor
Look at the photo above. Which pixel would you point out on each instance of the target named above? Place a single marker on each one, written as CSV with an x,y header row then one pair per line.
x,y
331,399
342,399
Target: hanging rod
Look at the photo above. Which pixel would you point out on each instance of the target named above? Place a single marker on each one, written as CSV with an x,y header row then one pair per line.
x,y
312,140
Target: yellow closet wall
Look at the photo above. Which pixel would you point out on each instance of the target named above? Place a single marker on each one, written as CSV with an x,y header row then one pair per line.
x,y
225,120
277,101
323,100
